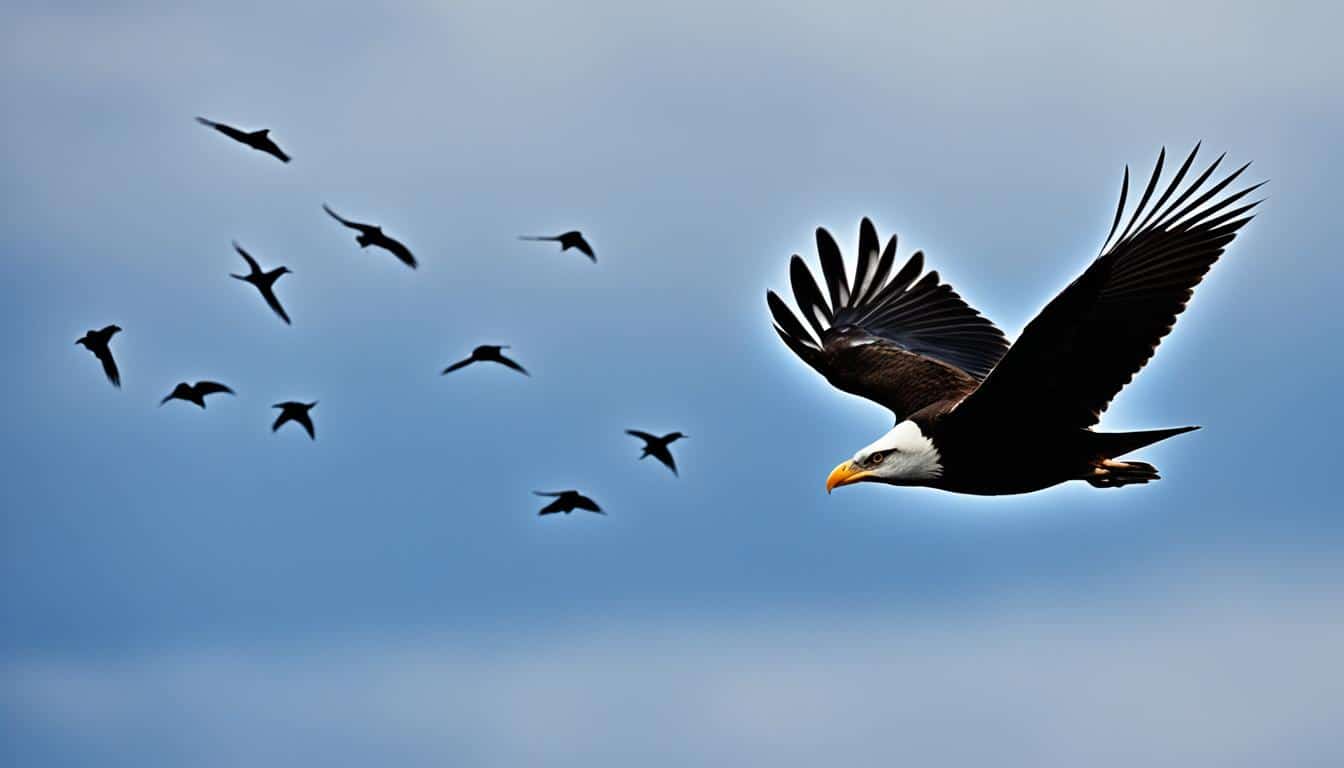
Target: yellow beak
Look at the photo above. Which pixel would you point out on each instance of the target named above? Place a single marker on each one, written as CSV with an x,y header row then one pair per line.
x,y
844,474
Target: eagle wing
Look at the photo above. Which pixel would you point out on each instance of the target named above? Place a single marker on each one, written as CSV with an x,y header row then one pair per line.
x,y
1091,339
902,343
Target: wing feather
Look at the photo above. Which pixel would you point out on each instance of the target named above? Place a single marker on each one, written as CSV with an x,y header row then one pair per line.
x,y
1101,330
904,343
833,269
808,295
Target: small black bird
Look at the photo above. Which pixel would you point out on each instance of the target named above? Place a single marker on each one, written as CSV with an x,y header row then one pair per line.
x,y
657,447
567,501
195,393
567,240
258,140
264,281
487,353
97,343
372,235
296,412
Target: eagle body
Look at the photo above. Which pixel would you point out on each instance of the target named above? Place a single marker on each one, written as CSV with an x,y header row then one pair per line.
x,y
977,415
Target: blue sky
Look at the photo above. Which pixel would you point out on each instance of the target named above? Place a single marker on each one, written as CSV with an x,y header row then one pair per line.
x,y
178,585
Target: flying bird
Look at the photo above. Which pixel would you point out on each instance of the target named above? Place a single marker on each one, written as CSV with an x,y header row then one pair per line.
x,y
657,447
297,413
487,353
567,501
372,235
195,393
974,415
264,281
567,240
97,342
258,140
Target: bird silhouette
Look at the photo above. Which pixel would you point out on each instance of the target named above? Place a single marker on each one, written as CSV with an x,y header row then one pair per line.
x,y
258,140
195,393
487,353
97,343
264,281
567,501
373,235
567,240
657,447
295,412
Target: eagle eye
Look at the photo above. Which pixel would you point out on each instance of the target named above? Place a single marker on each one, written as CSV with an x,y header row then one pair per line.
x,y
874,459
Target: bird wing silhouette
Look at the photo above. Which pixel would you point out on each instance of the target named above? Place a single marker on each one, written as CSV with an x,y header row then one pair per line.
x,y
269,294
583,502
662,453
104,356
204,388
504,361
458,365
280,419
585,248
365,228
261,140
559,505
251,262
397,248
306,420
227,130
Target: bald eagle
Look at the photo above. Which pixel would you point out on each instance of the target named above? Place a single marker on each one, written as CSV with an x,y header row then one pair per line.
x,y
976,415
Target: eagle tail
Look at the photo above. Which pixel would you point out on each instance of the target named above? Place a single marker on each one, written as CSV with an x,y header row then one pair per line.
x,y
1108,473
1108,445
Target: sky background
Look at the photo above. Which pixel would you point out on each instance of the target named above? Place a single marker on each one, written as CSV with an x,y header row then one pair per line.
x,y
184,588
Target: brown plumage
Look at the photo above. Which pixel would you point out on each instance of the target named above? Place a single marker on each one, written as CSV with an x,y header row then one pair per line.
x,y
976,416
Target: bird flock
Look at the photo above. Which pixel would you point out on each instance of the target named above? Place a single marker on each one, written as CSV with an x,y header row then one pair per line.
x,y
98,341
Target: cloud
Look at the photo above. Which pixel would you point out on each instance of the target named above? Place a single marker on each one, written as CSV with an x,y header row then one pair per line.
x,y
1222,673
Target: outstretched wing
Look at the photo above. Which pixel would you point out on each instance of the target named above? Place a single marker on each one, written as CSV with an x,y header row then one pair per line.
x,y
504,361
269,294
227,130
204,388
251,262
398,249
550,509
104,356
306,420
351,224
1091,339
584,248
664,454
458,364
645,436
261,140
583,502
901,343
